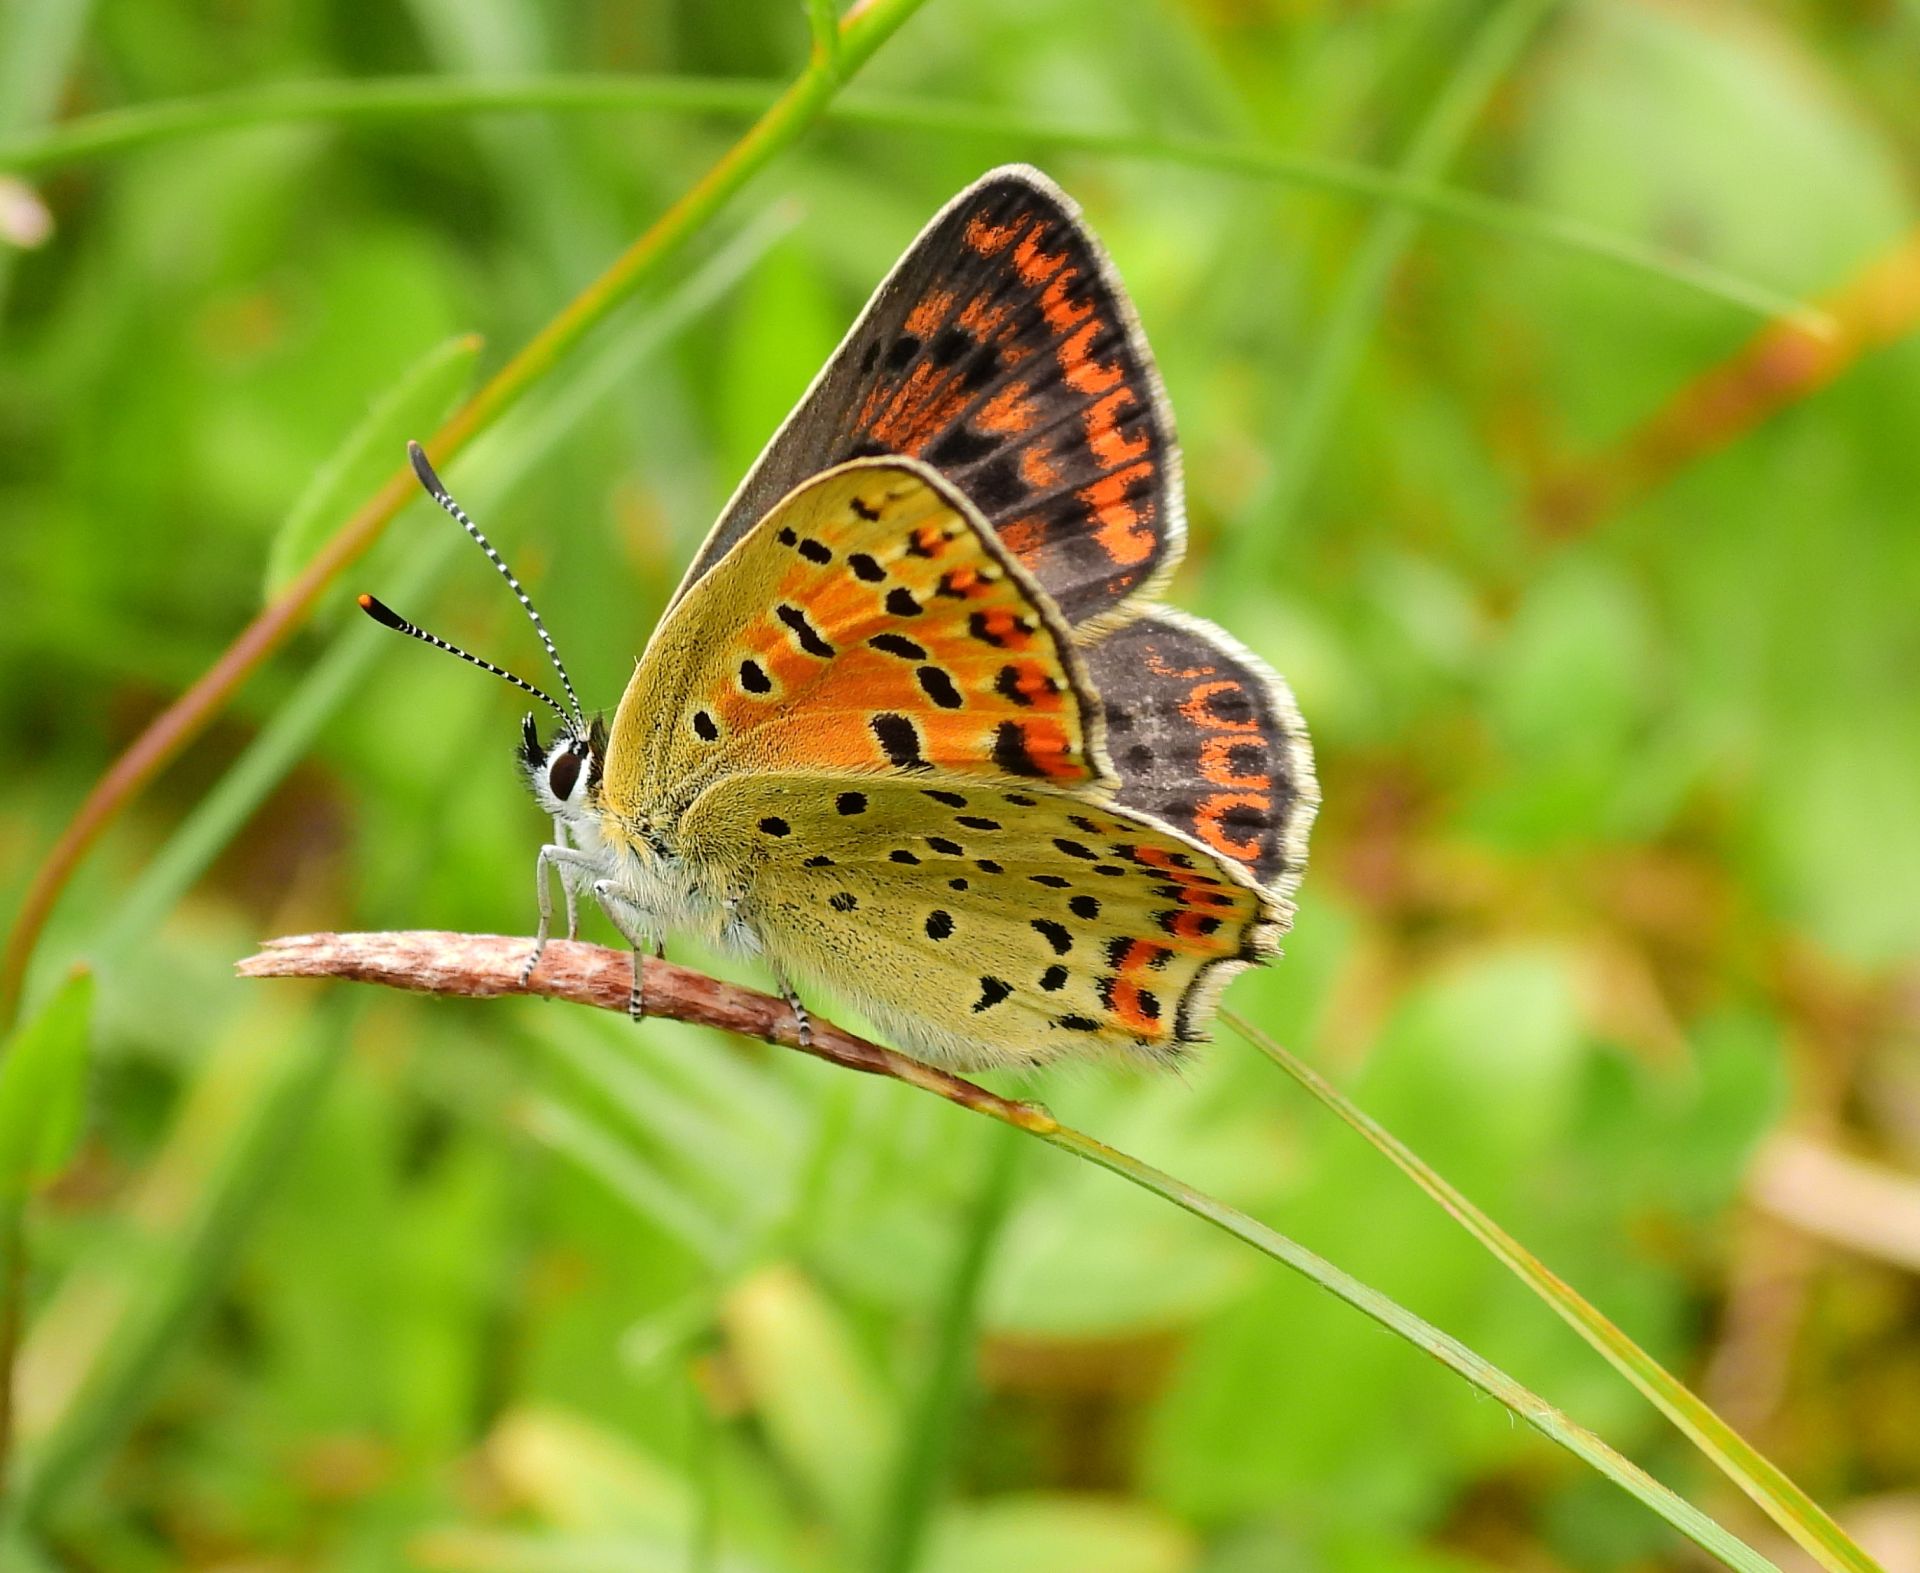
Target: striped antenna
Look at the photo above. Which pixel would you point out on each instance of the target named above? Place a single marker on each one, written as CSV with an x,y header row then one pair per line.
x,y
387,617
438,493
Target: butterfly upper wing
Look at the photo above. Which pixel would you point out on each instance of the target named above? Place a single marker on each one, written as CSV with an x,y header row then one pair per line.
x,y
983,924
871,623
1206,738
1002,351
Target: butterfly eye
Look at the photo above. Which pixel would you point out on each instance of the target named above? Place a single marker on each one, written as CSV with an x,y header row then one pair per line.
x,y
563,774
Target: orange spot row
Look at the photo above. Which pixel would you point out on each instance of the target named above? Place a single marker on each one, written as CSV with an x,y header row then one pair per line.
x,y
1037,469
990,239
1210,821
1008,413
1034,265
1082,372
929,312
926,402
1196,707
1109,446
1119,527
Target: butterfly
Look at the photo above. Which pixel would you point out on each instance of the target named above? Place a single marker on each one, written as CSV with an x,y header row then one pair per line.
x,y
914,726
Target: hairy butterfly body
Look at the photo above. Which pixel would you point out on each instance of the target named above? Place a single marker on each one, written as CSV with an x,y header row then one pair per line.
x,y
912,727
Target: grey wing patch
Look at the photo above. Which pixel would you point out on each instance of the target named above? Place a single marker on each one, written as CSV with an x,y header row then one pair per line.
x,y
1206,738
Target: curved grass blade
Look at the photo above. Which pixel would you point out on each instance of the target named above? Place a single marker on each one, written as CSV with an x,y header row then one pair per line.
x,y
398,98
43,1084
1784,1502
419,400
1449,1351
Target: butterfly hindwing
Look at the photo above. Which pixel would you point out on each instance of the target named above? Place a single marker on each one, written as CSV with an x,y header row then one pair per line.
x,y
984,923
1206,738
1002,351
870,623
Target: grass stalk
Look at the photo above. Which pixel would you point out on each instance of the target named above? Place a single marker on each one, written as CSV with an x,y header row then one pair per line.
x,y
478,965
1329,376
1783,1501
391,99
863,30
919,1478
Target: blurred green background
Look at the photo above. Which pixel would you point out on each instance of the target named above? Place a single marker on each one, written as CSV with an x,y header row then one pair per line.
x,y
1601,598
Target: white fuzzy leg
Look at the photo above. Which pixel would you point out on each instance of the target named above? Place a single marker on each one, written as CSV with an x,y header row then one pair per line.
x,y
569,886
573,868
632,924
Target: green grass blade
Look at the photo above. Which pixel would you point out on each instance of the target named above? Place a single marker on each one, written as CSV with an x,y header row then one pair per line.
x,y
919,1473
336,677
1449,1351
1784,1502
125,130
265,1132
1496,45
43,1083
422,397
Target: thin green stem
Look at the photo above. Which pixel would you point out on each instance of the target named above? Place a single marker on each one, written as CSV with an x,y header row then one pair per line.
x,y
1783,1501
1449,1351
790,115
920,1473
486,965
1330,373
782,123
398,98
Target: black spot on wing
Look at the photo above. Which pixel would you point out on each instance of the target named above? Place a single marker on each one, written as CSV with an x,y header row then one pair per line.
x,y
804,633
1010,751
1055,934
938,687
992,992
899,739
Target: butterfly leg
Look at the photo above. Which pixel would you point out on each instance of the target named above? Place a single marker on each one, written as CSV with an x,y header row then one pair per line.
x,y
802,1022
632,924
571,887
572,866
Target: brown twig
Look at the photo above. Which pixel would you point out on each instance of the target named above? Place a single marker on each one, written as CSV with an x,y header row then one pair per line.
x,y
479,966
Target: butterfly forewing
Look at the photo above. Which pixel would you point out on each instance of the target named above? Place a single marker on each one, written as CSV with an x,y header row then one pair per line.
x,y
869,623
1206,738
1003,352
979,923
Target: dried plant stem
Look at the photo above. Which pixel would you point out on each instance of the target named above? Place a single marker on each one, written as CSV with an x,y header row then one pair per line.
x,y
479,966
483,965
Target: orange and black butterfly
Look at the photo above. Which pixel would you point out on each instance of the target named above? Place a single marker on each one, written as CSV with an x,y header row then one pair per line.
x,y
1002,351
915,726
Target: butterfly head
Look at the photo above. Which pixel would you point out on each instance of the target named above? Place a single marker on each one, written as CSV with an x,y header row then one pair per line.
x,y
564,774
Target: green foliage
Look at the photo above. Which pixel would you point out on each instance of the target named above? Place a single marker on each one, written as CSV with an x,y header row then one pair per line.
x,y
1615,876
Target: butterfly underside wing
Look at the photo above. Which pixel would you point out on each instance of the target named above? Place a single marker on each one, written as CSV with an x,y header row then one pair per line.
x,y
1206,738
1002,351
872,738
984,923
870,622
